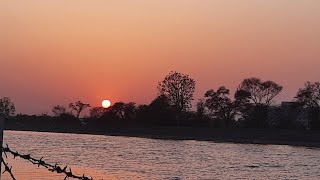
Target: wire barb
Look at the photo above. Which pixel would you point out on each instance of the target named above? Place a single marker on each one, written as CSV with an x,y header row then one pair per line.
x,y
39,162
7,169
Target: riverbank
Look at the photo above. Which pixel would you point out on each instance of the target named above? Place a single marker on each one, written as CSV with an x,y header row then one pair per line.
x,y
247,136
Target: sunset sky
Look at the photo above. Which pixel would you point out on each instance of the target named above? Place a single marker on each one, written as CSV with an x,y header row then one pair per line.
x,y
59,51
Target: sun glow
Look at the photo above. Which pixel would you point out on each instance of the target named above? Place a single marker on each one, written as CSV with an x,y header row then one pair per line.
x,y
106,103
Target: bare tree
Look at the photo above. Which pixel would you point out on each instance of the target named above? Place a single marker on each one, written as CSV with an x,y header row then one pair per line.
x,y
7,107
78,107
59,110
309,96
179,89
259,92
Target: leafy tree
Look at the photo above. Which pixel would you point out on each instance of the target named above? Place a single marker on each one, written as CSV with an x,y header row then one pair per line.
x,y
160,102
160,111
7,107
258,92
142,114
242,104
242,96
253,99
78,107
179,89
121,111
117,110
309,96
130,111
201,108
59,110
97,112
220,106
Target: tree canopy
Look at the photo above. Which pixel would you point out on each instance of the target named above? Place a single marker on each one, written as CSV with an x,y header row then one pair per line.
x,y
78,107
97,112
309,95
59,110
258,92
179,89
7,107
220,106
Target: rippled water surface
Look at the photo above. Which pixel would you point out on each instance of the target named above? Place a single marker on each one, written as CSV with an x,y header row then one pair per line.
x,y
108,157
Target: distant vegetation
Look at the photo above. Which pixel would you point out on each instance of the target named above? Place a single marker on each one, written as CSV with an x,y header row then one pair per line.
x,y
7,107
252,106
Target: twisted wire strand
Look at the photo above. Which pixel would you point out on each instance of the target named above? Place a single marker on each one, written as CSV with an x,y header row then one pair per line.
x,y
7,169
40,163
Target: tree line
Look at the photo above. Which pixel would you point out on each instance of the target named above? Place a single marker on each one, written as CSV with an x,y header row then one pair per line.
x,y
247,107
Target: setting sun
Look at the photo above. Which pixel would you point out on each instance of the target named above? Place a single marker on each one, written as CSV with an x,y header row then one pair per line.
x,y
106,103
178,89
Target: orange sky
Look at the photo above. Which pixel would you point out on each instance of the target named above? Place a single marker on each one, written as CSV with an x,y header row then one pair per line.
x,y
55,52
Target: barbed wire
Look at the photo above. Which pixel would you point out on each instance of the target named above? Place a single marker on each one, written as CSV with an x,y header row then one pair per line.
x,y
7,169
39,162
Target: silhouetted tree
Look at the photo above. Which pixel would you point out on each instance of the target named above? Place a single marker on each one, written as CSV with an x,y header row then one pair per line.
x,y
78,107
160,102
259,92
220,106
200,108
120,114
242,96
143,115
130,111
309,96
201,117
117,110
161,112
58,110
254,97
7,107
121,111
242,104
97,112
179,89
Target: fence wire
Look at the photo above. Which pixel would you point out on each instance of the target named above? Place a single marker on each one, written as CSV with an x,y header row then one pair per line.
x,y
40,163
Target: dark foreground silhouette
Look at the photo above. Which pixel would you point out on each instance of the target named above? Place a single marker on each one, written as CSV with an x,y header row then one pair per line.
x,y
234,135
248,117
